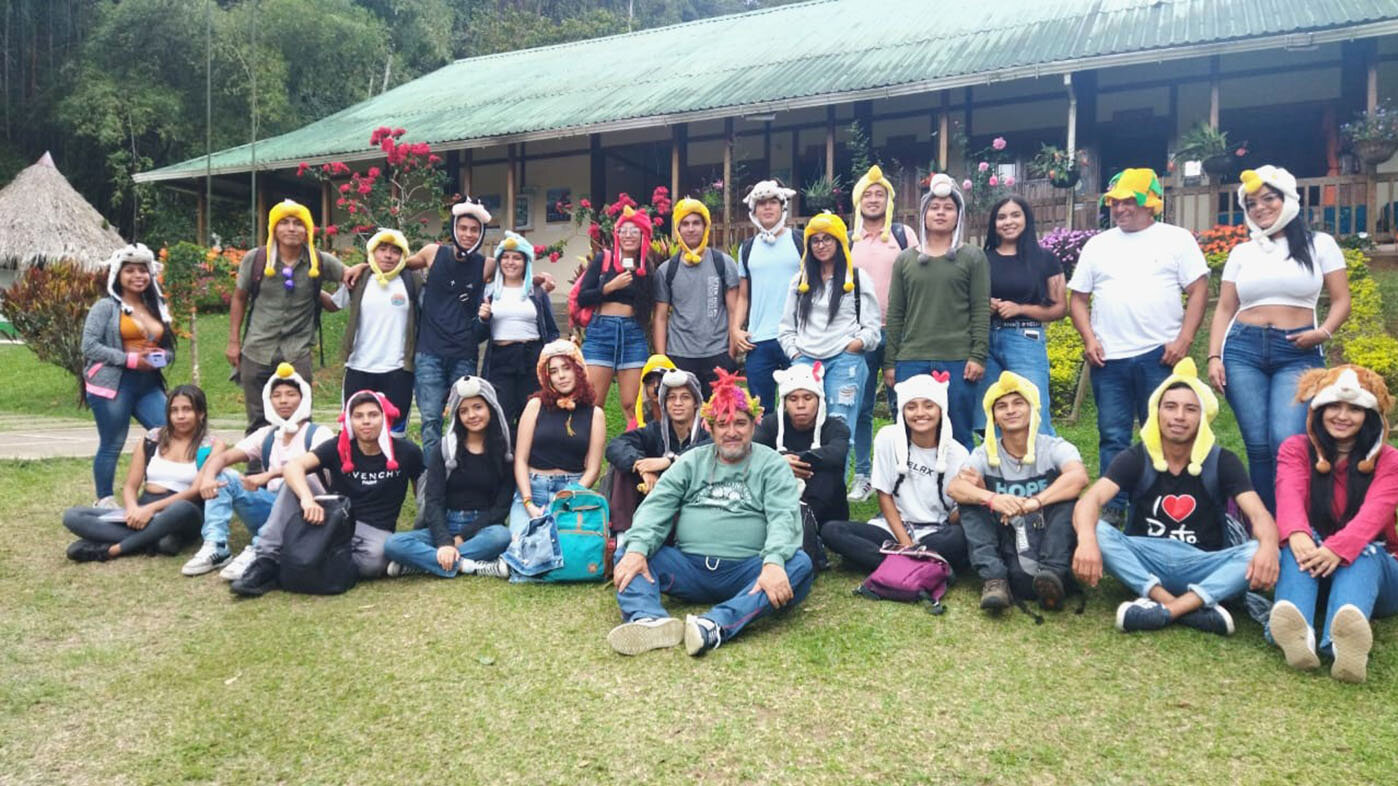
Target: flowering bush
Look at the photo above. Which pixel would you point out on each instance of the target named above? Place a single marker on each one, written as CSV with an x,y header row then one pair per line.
x,y
1381,125
1377,352
1065,349
47,306
200,277
1057,164
1216,242
601,221
1066,245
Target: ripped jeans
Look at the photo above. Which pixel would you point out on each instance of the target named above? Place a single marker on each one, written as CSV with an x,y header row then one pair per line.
x,y
846,374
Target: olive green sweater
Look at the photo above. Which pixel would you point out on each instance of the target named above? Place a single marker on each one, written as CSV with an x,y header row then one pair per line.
x,y
939,307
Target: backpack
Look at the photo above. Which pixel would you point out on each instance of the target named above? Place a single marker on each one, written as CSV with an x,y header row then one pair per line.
x,y
318,559
745,250
271,438
259,263
900,235
911,575
674,267
580,516
580,316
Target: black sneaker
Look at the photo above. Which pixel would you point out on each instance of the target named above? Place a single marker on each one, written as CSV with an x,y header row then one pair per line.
x,y
1215,619
995,595
84,550
1049,588
701,634
260,578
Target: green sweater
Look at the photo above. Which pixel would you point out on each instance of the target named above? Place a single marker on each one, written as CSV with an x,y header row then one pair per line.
x,y
939,307
730,511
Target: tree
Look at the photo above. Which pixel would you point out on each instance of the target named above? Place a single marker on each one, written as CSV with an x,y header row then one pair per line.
x,y
47,305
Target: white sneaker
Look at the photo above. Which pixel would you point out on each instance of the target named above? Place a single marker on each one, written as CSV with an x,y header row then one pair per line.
x,y
860,490
1294,635
1351,638
234,570
209,556
495,569
108,501
643,635
701,634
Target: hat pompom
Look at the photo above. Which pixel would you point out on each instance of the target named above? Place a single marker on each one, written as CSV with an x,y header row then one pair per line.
x,y
849,286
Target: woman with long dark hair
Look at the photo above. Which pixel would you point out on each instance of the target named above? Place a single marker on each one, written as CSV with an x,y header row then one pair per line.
x,y
1265,333
163,511
617,286
1027,291
1337,490
516,320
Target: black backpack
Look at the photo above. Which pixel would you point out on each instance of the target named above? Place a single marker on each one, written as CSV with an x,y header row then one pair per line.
x,y
318,559
259,264
900,235
271,438
674,267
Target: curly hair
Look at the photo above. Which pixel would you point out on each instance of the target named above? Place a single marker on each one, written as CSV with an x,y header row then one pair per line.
x,y
582,395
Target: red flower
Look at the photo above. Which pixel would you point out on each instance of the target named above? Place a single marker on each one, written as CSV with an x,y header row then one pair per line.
x,y
538,249
393,211
351,208
344,188
332,230
434,159
553,256
301,169
340,202
397,132
327,169
340,168
595,232
374,171
585,204
422,220
366,189
422,149
661,193
657,221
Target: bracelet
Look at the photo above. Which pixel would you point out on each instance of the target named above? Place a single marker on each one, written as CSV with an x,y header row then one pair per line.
x,y
527,500
1212,357
991,501
1327,333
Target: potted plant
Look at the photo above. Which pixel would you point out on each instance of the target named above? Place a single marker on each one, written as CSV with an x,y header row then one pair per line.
x,y
1373,136
1210,147
1062,167
823,194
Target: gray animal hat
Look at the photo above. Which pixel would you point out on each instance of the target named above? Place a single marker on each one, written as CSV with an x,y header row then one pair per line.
x,y
137,254
464,388
942,185
671,380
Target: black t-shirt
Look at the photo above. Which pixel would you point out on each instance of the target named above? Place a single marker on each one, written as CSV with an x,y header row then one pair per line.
x,y
375,492
1018,280
451,299
473,483
1178,506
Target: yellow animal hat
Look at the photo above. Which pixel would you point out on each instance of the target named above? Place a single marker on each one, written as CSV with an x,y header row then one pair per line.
x,y
394,238
685,207
1185,372
1139,184
1352,384
874,177
655,364
1010,382
827,223
298,211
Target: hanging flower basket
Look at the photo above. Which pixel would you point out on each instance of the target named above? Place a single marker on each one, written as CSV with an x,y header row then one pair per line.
x,y
1219,165
1065,180
1375,151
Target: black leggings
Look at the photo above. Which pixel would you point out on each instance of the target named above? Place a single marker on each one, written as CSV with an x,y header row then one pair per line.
x,y
180,521
512,371
859,543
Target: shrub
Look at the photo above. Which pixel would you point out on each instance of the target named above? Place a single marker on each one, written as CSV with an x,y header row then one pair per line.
x,y
48,306
1065,363
1358,263
1366,312
1377,352
1066,246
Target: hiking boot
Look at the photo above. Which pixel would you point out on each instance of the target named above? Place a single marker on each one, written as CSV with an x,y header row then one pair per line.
x,y
1049,587
240,563
1141,614
84,550
861,489
210,555
701,634
644,635
1294,635
1351,639
260,578
495,569
995,595
1215,619
397,569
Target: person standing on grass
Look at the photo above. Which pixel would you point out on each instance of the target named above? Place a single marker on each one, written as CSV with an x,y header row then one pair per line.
x,y
767,263
516,320
382,327
466,493
368,466
1016,495
286,400
696,291
915,460
1027,292
733,509
127,340
618,284
1180,552
1135,329
1264,334
162,507
875,244
1337,490
816,447
939,306
643,454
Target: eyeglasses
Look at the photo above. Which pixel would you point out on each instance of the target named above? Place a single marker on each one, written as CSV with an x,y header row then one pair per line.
x,y
823,240
1267,198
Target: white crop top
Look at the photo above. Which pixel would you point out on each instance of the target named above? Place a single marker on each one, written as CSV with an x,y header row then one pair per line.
x,y
1273,278
174,476
513,317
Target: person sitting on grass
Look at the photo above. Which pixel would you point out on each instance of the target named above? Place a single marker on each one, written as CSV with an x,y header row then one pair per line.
x,y
1337,489
915,460
733,509
641,455
162,512
367,465
1180,552
648,403
1016,495
815,446
290,434
466,493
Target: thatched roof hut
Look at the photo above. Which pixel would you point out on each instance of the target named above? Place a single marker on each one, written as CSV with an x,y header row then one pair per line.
x,y
44,218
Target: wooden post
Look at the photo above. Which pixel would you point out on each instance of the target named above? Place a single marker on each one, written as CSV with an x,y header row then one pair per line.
x,y
597,165
261,233
1213,92
201,218
1072,143
727,181
943,134
830,143
465,176
509,222
679,157
795,160
1371,103
767,147
327,214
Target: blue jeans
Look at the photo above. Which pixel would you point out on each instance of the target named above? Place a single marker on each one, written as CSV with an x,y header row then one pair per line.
x,y
765,359
1122,391
1023,350
961,395
693,578
845,376
541,490
1370,584
864,425
417,549
433,377
252,507
615,342
1141,563
1262,368
139,395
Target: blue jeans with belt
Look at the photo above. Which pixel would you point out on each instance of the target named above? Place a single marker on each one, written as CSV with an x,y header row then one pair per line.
x,y
1261,367
1020,346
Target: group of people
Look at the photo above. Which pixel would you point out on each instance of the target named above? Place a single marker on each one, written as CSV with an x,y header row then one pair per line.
x,y
731,498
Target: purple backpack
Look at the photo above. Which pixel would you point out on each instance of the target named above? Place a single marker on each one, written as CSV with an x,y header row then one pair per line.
x,y
910,575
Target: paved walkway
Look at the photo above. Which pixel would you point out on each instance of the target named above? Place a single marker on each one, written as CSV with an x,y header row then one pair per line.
x,y
38,437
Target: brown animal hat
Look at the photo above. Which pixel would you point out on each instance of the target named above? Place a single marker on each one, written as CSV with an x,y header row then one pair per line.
x,y
1353,385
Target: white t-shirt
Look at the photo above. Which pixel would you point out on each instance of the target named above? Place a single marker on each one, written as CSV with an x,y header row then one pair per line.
x,y
920,500
513,317
383,318
283,449
1273,278
1136,280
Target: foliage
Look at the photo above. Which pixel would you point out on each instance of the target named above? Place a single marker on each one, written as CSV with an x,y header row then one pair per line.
x,y
861,150
1359,241
712,197
47,306
1066,245
1065,358
981,186
1377,352
1203,141
823,194
199,277
1381,125
1056,163
601,221
1217,241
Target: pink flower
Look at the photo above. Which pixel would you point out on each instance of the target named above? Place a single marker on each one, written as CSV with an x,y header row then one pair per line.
x,y
982,166
718,184
332,230
538,249
999,143
344,188
301,169
434,159
553,256
352,209
994,181
1009,180
399,131
366,189
657,221
585,204
374,171
966,184
340,202
1240,152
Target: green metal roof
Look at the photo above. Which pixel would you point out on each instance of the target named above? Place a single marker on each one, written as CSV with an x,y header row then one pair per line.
x,y
803,55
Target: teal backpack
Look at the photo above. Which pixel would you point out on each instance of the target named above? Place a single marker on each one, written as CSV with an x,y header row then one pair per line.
x,y
582,519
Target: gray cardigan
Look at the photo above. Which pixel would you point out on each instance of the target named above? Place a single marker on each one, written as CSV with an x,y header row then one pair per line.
x,y
105,360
